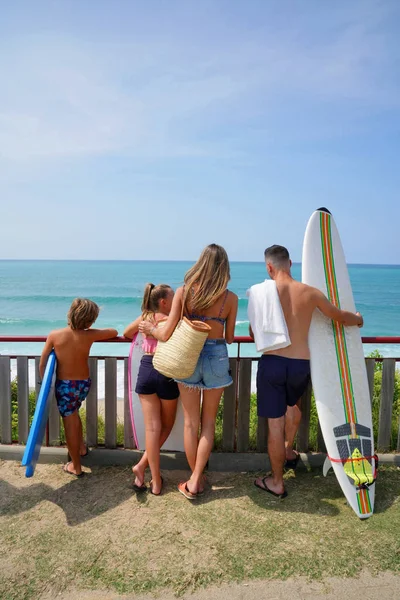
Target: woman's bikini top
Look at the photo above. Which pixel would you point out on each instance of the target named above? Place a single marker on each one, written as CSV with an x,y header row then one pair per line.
x,y
218,319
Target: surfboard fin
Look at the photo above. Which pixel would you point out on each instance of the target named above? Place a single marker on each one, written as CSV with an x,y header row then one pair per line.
x,y
327,466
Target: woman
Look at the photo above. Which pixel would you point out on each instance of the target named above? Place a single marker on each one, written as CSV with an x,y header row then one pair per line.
x,y
158,394
204,297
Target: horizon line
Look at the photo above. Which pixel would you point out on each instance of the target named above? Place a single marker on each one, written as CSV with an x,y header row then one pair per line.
x,y
129,260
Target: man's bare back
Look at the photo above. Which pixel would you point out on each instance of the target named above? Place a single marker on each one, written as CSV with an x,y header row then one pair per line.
x,y
298,304
299,301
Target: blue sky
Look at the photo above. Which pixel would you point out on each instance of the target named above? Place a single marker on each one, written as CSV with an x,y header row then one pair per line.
x,y
134,130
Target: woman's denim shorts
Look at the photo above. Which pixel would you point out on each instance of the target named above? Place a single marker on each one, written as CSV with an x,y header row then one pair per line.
x,y
212,370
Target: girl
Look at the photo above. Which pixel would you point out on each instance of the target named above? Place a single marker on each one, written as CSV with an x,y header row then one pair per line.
x,y
158,394
204,297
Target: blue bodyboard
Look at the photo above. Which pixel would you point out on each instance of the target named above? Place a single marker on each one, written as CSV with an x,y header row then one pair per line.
x,y
38,427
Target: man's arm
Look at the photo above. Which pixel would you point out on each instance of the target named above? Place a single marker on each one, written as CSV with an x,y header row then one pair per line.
x,y
48,347
344,317
251,334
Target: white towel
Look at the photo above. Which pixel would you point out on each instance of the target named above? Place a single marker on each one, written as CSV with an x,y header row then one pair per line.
x,y
266,317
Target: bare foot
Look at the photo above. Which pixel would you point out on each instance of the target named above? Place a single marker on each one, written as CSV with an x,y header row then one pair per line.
x,y
267,484
139,476
192,488
156,486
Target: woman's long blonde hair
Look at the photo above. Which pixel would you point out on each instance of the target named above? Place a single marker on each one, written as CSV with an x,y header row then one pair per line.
x,y
207,279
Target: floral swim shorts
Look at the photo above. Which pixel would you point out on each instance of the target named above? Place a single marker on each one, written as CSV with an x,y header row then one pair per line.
x,y
70,393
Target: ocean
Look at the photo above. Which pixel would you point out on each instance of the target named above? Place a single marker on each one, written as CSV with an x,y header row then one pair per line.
x,y
35,297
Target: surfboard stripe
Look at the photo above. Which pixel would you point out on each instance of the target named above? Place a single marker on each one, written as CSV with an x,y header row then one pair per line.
x,y
338,330
364,502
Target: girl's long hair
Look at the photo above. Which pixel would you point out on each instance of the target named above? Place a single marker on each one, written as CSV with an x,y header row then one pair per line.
x,y
207,279
151,298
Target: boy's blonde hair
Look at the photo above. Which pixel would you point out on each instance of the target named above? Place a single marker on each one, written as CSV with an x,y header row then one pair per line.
x,y
210,275
82,313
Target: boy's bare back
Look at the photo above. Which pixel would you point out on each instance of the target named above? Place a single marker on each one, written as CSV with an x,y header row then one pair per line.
x,y
72,344
72,348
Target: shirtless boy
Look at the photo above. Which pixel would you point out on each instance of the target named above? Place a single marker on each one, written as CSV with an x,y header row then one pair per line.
x,y
72,346
283,375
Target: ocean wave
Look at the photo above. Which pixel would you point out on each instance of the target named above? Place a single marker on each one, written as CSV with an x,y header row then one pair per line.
x,y
68,299
7,321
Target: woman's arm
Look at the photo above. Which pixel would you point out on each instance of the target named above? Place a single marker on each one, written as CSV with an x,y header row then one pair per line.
x,y
133,328
162,334
231,319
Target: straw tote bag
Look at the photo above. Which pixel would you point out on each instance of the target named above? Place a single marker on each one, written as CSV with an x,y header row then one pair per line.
x,y
177,357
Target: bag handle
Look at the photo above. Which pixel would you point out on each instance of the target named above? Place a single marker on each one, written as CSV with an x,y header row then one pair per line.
x,y
183,303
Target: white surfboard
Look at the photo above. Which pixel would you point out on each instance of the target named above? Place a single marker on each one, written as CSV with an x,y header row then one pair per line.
x,y
175,439
338,369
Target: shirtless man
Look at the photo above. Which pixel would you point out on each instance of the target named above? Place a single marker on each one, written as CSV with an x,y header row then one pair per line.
x,y
72,346
283,375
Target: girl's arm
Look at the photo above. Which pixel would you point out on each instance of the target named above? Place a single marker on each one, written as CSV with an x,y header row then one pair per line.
x,y
162,334
48,347
132,328
231,319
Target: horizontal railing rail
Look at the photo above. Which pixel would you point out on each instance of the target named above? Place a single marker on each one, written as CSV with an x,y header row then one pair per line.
x,y
237,340
107,416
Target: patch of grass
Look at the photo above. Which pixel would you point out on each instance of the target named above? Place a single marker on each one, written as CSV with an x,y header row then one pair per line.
x,y
96,534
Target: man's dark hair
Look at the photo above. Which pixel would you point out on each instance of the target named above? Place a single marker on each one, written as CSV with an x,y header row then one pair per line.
x,y
277,255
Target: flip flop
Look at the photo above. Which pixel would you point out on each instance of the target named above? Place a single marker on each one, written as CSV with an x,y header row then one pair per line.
x,y
151,488
66,470
139,488
291,463
183,489
265,488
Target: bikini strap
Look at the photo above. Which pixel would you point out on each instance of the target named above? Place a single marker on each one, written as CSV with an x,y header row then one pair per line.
x,y
223,304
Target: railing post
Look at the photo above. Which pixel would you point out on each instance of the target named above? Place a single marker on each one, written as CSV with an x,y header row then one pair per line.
x,y
110,400
54,422
304,428
385,413
23,398
5,401
320,439
128,433
262,434
91,405
229,414
370,365
243,418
